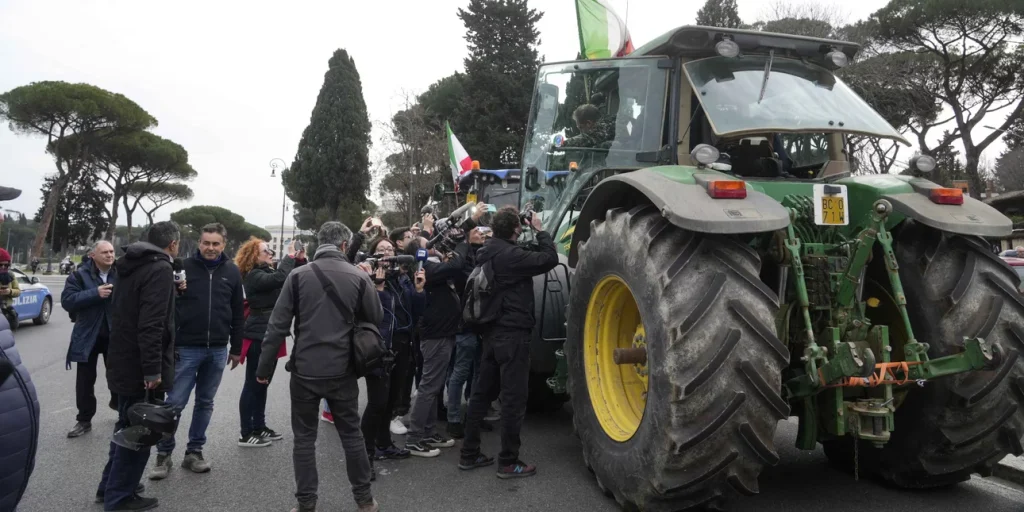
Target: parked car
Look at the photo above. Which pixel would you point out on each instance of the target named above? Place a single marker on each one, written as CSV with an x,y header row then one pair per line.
x,y
1018,265
35,302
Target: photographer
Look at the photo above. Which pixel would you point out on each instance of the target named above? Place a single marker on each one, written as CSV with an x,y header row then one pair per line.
x,y
505,362
402,303
438,327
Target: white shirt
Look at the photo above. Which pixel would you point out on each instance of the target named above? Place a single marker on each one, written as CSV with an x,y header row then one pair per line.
x,y
103,275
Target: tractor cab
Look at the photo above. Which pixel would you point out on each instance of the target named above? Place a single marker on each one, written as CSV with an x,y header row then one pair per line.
x,y
754,105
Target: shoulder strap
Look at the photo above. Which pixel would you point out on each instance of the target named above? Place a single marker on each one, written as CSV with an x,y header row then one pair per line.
x,y
295,304
333,294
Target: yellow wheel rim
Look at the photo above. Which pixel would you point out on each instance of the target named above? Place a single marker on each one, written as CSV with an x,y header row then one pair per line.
x,y
617,392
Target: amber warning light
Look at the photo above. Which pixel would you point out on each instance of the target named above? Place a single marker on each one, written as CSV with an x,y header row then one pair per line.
x,y
727,189
946,196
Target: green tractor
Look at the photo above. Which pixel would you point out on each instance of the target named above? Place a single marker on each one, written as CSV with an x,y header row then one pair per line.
x,y
729,270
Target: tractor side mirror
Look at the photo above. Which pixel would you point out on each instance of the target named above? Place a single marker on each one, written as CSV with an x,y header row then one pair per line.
x,y
438,193
532,181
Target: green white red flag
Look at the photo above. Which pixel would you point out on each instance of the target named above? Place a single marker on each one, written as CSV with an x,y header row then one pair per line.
x,y
603,34
457,156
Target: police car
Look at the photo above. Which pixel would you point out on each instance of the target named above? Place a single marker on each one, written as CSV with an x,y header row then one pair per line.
x,y
35,302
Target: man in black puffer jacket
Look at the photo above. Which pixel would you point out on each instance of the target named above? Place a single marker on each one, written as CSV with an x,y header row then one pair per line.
x,y
209,317
140,358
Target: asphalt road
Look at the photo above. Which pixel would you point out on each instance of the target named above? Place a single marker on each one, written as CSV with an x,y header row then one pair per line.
x,y
67,470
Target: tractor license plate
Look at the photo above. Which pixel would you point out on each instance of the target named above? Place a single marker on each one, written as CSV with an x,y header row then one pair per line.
x,y
830,205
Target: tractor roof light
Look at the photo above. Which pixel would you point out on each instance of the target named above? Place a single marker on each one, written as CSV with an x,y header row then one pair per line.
x,y
705,154
923,163
727,189
837,58
727,48
475,165
952,196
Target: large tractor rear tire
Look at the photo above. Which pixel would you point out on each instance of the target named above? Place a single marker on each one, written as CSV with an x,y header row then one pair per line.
x,y
696,423
962,424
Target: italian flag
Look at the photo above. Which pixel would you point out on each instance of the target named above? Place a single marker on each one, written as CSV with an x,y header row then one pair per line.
x,y
458,157
603,34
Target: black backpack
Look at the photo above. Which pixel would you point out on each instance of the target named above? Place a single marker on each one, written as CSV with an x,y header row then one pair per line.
x,y
481,298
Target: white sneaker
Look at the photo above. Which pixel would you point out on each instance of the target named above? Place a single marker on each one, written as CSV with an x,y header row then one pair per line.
x,y
398,428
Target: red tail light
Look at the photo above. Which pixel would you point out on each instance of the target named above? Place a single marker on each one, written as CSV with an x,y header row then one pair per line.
x,y
727,189
953,196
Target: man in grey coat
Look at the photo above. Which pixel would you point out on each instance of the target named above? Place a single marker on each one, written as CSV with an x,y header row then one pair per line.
x,y
320,361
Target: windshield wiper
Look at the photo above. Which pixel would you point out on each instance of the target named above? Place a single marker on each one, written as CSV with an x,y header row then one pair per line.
x,y
767,71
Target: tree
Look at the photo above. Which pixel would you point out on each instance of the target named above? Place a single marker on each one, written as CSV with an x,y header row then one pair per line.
x,y
60,110
194,218
502,38
1014,137
970,48
332,165
81,214
416,159
1009,170
811,19
159,195
719,13
131,164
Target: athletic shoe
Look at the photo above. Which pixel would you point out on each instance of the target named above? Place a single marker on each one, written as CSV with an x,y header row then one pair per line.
x,y
518,470
195,463
398,428
369,507
162,467
422,450
268,433
480,461
391,453
253,441
328,417
436,440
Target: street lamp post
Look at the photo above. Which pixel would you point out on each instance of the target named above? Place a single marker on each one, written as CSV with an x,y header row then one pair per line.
x,y
276,164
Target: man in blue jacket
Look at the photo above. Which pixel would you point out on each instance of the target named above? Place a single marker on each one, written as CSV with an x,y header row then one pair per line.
x,y
209,320
86,297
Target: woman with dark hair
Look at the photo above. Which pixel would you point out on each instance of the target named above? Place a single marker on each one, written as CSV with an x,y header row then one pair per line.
x,y
402,299
262,284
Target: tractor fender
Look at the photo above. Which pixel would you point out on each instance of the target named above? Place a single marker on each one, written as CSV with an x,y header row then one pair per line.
x,y
973,218
685,205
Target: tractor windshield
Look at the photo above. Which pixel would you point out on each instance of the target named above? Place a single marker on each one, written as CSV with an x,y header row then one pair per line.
x,y
744,96
589,117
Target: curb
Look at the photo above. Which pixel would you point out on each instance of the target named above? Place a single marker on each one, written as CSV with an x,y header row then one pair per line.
x,y
1010,469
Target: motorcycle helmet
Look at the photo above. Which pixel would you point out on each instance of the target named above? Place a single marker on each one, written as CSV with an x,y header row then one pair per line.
x,y
148,423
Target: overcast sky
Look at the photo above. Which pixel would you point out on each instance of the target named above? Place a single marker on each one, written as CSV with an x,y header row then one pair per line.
x,y
235,82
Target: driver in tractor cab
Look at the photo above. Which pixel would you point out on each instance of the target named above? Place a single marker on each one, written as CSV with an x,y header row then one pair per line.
x,y
588,120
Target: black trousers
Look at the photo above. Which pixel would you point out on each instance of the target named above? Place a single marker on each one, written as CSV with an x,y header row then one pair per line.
x,y
383,395
342,397
85,382
504,374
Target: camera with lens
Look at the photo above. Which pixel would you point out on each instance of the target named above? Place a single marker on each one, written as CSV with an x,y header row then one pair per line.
x,y
526,216
390,264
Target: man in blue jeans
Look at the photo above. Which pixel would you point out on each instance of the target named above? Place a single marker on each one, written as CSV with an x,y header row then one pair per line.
x,y
210,320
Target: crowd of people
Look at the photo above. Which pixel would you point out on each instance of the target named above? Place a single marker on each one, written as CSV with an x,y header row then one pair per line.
x,y
168,327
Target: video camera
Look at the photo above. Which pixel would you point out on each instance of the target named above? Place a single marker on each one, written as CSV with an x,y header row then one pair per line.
x,y
389,263
449,231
